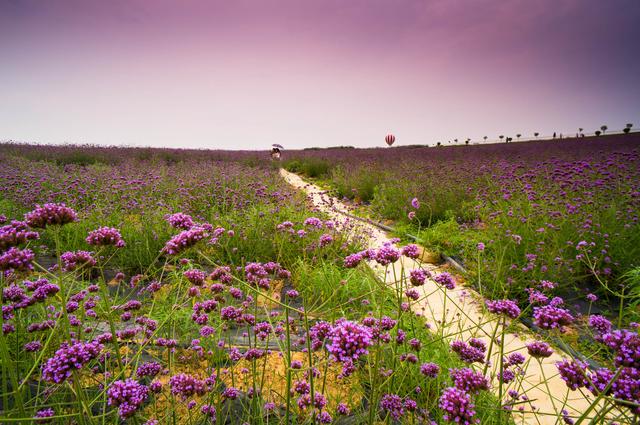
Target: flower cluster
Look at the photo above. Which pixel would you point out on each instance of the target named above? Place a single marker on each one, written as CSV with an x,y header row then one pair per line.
x,y
573,373
417,277
78,259
411,251
185,385
393,404
195,276
16,233
105,236
349,340
467,380
128,396
149,369
50,214
469,352
626,346
550,317
430,370
184,240
507,307
457,407
17,259
445,279
387,254
539,349
180,221
69,357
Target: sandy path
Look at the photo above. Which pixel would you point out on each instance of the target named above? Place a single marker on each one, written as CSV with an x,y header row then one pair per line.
x,y
464,317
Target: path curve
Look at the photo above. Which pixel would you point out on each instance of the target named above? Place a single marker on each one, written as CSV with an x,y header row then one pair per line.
x,y
464,318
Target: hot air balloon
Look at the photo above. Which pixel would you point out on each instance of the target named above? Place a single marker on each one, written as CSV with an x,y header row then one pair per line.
x,y
390,138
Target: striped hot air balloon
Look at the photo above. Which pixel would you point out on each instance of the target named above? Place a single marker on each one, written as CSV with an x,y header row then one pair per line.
x,y
390,138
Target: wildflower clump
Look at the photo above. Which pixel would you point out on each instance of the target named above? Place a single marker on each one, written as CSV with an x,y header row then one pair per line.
x,y
50,214
128,396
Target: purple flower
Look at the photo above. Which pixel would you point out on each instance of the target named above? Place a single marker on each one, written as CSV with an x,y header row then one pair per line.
x,y
430,370
33,346
76,260
44,290
324,417
184,240
50,214
180,221
15,234
349,340
230,313
43,414
195,276
445,279
480,246
599,380
343,409
457,407
313,222
352,260
411,251
468,380
393,404
325,240
17,259
539,349
626,345
550,317
69,358
230,393
514,359
467,352
387,254
415,203
417,277
105,236
573,373
185,385
127,396
507,307
292,293
149,369
600,324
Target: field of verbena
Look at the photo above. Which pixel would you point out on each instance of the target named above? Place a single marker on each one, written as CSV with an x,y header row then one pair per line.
x,y
565,211
193,287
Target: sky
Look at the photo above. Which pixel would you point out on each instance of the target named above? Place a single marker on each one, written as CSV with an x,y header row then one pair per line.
x,y
304,73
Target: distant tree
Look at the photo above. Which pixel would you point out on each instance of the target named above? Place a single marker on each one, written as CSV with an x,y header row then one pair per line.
x,y
598,132
438,144
485,138
627,128
603,128
536,134
501,137
455,140
580,129
518,135
509,139
466,142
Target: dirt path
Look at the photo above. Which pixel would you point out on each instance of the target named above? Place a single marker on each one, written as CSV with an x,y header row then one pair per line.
x,y
459,314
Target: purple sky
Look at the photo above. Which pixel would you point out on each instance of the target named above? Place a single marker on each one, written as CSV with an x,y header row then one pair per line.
x,y
245,74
